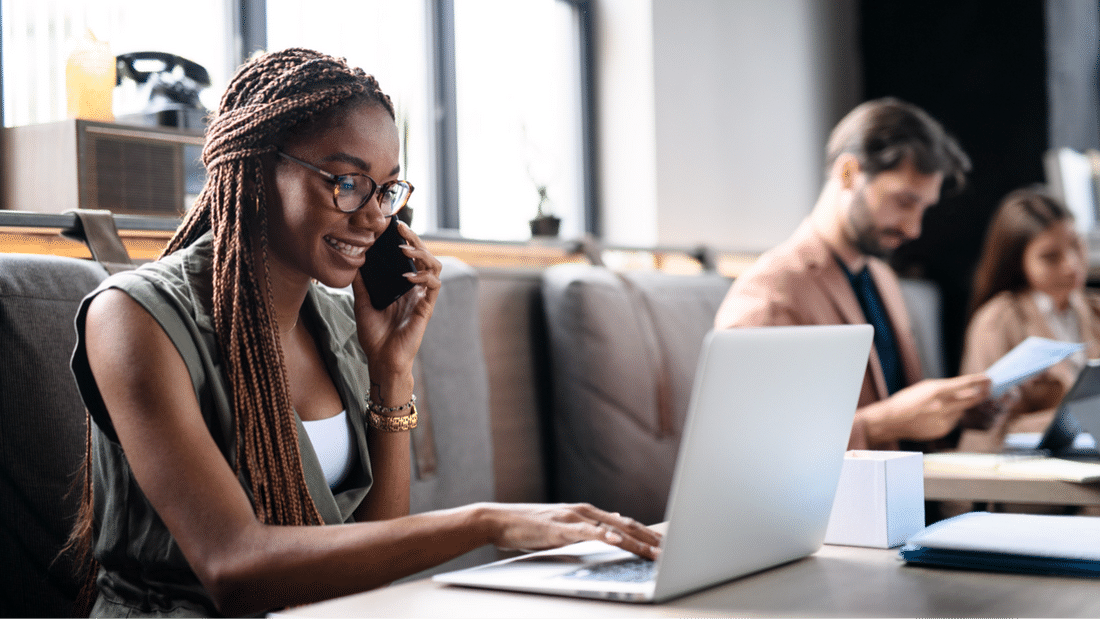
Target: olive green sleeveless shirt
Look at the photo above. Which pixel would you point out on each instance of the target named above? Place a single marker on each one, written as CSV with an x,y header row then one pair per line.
x,y
142,570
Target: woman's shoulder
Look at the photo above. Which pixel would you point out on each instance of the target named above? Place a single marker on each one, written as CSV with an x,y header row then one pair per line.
x,y
180,281
1000,305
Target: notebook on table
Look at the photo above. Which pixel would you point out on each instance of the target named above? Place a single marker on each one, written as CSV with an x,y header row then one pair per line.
x,y
759,460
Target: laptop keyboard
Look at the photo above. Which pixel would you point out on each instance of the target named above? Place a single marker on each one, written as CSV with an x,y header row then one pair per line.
x,y
635,570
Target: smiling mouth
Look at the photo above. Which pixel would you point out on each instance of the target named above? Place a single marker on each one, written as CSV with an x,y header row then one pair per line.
x,y
345,248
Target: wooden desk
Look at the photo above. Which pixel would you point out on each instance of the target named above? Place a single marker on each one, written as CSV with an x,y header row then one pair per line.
x,y
991,486
1001,489
837,581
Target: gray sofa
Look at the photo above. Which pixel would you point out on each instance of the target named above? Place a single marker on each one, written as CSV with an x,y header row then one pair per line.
x,y
623,350
42,430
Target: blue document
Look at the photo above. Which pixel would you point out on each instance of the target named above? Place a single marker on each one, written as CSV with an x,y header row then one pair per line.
x,y
1027,543
1029,357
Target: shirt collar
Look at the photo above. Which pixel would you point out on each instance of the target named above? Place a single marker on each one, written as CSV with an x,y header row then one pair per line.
x,y
199,270
1046,304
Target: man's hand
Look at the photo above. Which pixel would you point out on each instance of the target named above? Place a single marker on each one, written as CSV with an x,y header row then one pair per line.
x,y
925,411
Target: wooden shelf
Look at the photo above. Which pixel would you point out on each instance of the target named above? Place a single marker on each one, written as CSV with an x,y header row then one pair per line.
x,y
145,237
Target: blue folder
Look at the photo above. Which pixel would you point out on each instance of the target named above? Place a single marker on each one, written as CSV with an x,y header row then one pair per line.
x,y
1021,543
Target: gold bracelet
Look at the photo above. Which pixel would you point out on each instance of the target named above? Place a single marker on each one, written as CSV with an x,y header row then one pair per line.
x,y
385,410
399,423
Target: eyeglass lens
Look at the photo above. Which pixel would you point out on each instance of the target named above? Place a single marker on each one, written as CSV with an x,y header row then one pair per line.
x,y
353,191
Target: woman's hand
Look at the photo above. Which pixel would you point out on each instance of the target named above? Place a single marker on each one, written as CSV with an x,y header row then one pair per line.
x,y
537,527
391,336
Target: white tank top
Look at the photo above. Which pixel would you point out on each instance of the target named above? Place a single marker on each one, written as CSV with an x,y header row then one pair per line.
x,y
331,439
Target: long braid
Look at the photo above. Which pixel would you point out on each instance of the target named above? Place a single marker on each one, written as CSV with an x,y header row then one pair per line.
x,y
269,97
266,98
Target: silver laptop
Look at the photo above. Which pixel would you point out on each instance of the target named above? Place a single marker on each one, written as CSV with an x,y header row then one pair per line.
x,y
758,465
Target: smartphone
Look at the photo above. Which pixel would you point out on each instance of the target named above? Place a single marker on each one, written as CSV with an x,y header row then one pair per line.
x,y
384,267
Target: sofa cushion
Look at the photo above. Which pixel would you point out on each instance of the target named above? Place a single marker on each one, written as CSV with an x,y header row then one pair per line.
x,y
623,349
42,429
452,446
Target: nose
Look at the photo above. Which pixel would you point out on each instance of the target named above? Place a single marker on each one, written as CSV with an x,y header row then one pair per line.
x,y
911,225
371,216
1074,264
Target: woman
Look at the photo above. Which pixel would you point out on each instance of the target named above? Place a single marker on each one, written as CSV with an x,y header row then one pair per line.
x,y
1030,281
197,368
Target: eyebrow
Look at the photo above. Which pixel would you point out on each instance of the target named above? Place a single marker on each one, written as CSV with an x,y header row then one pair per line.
x,y
347,158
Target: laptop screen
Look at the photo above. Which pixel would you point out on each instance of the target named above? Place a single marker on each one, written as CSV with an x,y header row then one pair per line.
x,y
1078,412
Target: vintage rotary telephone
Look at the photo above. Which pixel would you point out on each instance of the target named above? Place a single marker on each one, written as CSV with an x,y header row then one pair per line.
x,y
169,86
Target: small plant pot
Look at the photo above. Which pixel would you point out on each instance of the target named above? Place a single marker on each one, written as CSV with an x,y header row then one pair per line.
x,y
546,226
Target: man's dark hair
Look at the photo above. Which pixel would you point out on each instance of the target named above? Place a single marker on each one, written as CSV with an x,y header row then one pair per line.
x,y
884,133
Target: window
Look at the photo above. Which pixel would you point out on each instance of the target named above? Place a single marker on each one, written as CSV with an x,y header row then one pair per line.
x,y
503,118
38,36
517,102
517,70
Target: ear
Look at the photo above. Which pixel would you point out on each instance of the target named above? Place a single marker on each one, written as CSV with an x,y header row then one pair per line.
x,y
845,170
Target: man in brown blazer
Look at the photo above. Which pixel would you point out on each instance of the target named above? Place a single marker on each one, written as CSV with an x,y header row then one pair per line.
x,y
886,163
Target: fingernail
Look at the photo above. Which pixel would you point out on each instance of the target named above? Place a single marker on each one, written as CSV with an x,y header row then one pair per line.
x,y
409,274
612,537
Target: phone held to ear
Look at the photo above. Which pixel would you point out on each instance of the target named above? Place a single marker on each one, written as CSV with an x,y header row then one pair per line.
x,y
384,267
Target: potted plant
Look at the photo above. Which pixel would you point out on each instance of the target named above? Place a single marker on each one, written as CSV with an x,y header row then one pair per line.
x,y
544,223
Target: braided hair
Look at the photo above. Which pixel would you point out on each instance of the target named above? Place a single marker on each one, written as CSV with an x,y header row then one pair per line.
x,y
271,97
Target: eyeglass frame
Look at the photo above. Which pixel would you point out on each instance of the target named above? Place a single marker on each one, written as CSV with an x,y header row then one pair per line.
x,y
335,180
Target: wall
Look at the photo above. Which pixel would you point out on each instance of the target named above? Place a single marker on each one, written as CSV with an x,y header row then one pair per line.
x,y
626,153
713,115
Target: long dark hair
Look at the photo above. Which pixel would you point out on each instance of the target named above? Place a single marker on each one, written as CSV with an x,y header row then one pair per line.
x,y
1021,217
270,97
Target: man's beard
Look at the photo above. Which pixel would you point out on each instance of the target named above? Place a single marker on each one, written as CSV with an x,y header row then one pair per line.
x,y
867,237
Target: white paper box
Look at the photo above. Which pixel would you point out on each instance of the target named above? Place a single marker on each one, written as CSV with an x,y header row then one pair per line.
x,y
880,499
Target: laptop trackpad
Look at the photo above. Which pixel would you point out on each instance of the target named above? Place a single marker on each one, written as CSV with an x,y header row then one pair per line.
x,y
555,561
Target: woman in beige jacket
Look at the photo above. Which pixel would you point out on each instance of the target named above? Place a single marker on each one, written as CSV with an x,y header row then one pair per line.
x,y
1030,281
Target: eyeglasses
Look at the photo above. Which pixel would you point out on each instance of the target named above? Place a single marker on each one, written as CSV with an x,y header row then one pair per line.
x,y
352,191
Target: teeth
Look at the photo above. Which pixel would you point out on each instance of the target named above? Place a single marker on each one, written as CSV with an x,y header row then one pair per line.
x,y
347,249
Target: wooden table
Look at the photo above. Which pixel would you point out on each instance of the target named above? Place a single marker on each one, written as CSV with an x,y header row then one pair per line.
x,y
991,486
837,581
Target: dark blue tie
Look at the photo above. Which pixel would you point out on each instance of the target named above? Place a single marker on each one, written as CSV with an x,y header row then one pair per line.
x,y
875,311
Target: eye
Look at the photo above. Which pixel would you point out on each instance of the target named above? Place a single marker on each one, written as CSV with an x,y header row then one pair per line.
x,y
345,183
